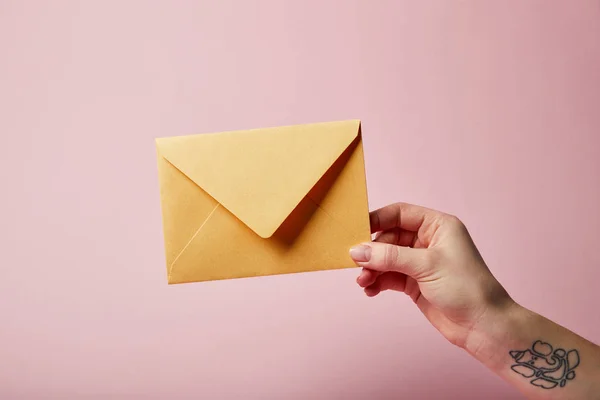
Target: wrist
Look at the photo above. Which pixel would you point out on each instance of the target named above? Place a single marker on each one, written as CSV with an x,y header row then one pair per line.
x,y
493,334
504,339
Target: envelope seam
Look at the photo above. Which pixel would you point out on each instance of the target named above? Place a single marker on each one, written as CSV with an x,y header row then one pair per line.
x,y
190,241
329,215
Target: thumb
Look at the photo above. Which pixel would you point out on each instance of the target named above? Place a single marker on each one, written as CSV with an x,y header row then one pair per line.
x,y
388,257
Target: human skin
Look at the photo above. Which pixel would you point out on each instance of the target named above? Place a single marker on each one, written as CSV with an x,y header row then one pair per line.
x,y
430,256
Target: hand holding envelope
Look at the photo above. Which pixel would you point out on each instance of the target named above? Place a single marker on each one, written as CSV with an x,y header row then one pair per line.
x,y
262,201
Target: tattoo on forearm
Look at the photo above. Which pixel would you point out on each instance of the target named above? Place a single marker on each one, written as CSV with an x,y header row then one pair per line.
x,y
547,367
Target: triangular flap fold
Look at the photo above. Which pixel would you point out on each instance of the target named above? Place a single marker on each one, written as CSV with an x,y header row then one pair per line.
x,y
260,175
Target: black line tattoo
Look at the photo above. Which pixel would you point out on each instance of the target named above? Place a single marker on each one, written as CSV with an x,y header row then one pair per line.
x,y
547,367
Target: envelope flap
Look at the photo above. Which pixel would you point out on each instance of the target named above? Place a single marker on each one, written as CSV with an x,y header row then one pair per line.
x,y
260,175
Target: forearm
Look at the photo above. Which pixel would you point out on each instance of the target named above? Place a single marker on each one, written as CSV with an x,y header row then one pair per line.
x,y
539,357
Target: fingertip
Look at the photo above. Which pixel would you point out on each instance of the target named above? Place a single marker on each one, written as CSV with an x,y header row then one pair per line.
x,y
361,253
373,289
367,277
361,277
362,281
374,221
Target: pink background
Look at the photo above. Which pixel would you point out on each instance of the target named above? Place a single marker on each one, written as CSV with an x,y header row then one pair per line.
x,y
489,110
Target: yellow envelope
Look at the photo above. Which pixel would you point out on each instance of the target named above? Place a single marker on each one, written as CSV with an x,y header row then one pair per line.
x,y
262,201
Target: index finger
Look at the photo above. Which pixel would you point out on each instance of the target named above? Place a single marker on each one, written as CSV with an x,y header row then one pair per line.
x,y
400,215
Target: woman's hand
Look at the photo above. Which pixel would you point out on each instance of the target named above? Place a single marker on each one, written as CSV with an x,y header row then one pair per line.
x,y
431,257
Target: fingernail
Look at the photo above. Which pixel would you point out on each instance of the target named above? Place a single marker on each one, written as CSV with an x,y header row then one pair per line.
x,y
360,253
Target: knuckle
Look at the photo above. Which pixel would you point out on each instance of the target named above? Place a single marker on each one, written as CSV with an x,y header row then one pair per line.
x,y
454,221
390,256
